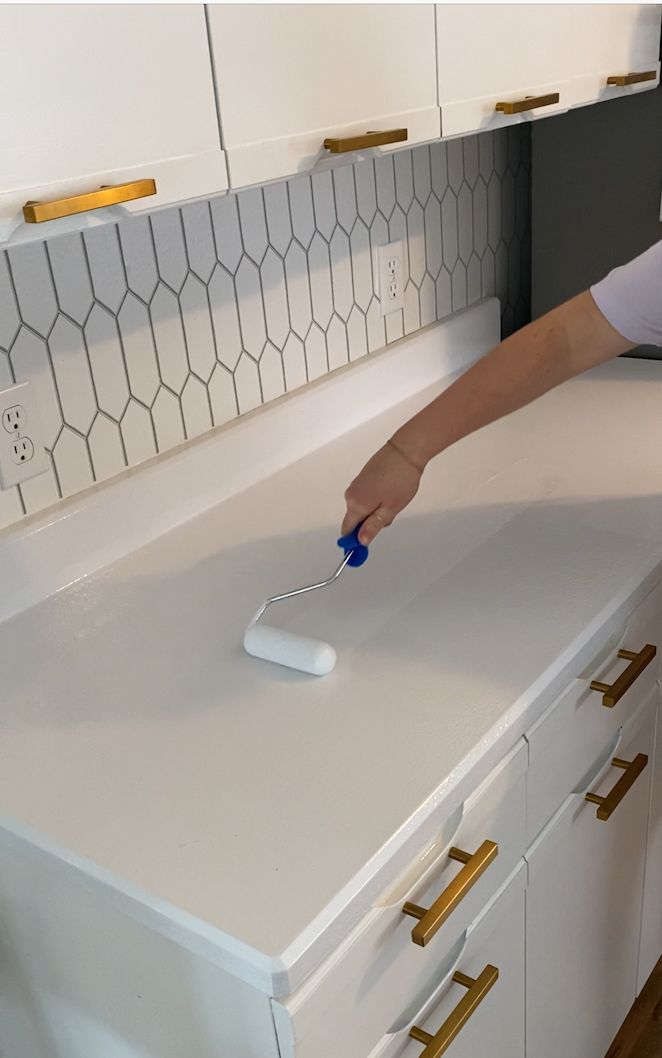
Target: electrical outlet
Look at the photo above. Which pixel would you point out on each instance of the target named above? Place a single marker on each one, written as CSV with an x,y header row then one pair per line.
x,y
22,453
391,263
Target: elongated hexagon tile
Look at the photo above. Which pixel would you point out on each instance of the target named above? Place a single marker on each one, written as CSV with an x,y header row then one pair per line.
x,y
376,329
427,301
501,273
465,223
508,206
279,224
298,289
404,179
10,507
274,296
488,275
30,362
323,202
195,408
40,492
171,258
395,327
139,352
106,451
252,222
522,203
459,286
222,396
341,273
439,168
225,318
366,190
71,275
33,286
480,217
107,363
199,238
72,462
357,338
471,163
137,433
432,223
167,419
397,226
486,154
6,377
473,280
416,243
361,264
301,209
104,259
449,229
422,176
316,360
345,196
227,234
272,376
320,281
412,309
198,330
139,258
247,381
443,292
494,211
500,151
72,375
251,309
294,363
379,236
455,164
336,344
169,338
385,184
9,318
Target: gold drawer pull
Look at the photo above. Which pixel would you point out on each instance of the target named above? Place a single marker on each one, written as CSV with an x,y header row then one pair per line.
x,y
632,770
434,917
624,79
613,692
520,106
439,1043
368,139
38,212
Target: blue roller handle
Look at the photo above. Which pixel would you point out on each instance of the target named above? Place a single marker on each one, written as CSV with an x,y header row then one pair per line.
x,y
350,542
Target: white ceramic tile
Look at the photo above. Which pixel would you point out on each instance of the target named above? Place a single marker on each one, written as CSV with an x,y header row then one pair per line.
x,y
294,363
301,209
138,255
247,381
72,375
298,289
137,433
274,295
323,203
167,419
198,331
416,241
139,352
449,229
251,310
104,259
473,280
487,275
375,327
439,168
253,223
433,236
40,492
443,292
404,179
222,396
341,274
225,318
379,236
428,301
522,206
455,164
471,163
395,327
397,226
271,372
106,451
486,154
465,223
494,211
277,209
10,506
357,338
501,273
6,377
199,237
9,318
361,265
336,344
420,157
514,271
169,338
480,217
501,151
171,259
30,362
366,192
459,287
33,285
345,196
72,461
227,236
320,281
385,184
508,206
195,408
106,361
71,275
412,310
315,346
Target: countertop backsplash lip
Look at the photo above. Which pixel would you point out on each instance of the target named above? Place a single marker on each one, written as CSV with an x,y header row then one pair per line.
x,y
142,335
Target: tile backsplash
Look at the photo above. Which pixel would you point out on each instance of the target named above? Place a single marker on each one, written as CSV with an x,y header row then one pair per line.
x,y
140,335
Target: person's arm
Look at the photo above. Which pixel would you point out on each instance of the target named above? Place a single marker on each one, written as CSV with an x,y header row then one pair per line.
x,y
565,342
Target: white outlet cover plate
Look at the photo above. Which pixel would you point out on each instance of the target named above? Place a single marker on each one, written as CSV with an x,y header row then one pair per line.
x,y
12,473
391,271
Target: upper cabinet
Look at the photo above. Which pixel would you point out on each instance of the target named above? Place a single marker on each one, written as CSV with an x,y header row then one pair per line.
x,y
290,77
97,95
616,49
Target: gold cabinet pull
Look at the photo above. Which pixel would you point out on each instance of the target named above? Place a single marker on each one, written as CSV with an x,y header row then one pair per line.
x,y
439,1043
520,106
623,79
434,917
632,769
368,139
38,212
613,692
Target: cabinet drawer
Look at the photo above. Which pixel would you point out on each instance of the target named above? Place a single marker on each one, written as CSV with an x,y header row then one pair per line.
x,y
572,737
351,1001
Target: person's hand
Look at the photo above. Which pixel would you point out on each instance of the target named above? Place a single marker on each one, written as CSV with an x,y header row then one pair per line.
x,y
387,483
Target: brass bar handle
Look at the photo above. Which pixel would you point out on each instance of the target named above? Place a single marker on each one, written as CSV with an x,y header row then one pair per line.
x,y
613,692
367,139
439,1043
624,79
632,769
432,918
38,212
520,106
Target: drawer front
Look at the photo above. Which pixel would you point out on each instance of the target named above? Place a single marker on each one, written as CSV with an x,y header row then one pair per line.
x,y
351,1001
569,741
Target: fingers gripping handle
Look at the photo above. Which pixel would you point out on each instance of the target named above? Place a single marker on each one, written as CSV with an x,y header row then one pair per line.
x,y
358,552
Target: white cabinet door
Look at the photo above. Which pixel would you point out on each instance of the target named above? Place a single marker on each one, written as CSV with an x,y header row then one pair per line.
x,y
105,94
650,948
291,75
583,911
613,41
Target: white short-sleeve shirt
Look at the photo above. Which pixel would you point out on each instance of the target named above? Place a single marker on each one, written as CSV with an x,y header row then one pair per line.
x,y
630,298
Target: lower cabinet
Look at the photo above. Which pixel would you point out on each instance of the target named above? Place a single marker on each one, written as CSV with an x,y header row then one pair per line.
x,y
650,947
584,900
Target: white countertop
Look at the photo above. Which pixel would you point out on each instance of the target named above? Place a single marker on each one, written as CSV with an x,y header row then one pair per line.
x,y
247,799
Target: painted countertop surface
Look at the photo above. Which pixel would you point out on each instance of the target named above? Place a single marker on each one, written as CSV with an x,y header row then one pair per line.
x,y
137,735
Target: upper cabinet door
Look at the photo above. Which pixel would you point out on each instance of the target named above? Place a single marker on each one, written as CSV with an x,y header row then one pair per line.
x,y
501,53
290,77
615,49
104,94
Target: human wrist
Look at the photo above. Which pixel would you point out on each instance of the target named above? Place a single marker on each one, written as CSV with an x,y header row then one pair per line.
x,y
410,457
